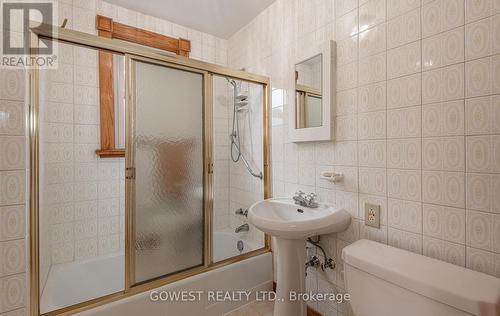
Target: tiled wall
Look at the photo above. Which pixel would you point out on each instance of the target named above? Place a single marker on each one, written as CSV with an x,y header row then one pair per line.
x,y
14,152
13,157
417,123
82,198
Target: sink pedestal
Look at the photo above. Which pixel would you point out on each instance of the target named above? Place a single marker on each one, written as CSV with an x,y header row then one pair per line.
x,y
290,277
291,224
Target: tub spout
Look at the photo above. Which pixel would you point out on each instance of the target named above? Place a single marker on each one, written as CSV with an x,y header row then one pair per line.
x,y
242,228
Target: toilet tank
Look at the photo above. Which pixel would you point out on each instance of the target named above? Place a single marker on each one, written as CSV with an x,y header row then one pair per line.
x,y
388,281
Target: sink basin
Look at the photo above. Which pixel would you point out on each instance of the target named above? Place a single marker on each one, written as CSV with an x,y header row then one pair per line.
x,y
283,218
291,225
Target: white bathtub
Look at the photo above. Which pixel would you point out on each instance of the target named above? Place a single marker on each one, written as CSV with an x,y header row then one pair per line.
x,y
76,282
225,245
254,274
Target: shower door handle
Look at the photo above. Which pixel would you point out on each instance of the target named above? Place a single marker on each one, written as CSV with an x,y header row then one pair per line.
x,y
130,173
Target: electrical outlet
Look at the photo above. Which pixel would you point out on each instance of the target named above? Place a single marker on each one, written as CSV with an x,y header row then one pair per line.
x,y
372,215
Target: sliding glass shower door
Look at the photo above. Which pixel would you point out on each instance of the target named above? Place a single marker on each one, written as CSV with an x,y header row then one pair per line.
x,y
166,170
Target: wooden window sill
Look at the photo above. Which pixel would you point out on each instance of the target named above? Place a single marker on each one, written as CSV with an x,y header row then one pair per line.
x,y
110,153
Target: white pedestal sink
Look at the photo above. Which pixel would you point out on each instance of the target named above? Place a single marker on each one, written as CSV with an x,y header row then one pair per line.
x,y
291,225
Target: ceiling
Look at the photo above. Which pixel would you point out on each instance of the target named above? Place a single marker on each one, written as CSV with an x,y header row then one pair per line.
x,y
221,18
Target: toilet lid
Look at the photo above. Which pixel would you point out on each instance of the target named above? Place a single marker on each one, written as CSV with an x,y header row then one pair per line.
x,y
467,290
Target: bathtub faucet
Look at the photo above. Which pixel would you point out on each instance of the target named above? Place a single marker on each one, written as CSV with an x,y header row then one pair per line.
x,y
242,228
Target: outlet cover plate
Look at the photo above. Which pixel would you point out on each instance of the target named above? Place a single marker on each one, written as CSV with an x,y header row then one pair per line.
x,y
372,215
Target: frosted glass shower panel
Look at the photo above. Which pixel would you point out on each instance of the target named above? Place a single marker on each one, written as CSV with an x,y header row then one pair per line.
x,y
168,148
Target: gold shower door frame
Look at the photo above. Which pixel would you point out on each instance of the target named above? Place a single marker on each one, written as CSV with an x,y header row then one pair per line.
x,y
135,52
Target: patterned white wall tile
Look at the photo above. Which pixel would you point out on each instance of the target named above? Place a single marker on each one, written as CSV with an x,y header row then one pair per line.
x,y
372,97
12,222
347,102
404,29
344,6
12,85
404,153
443,84
372,125
346,127
481,192
58,112
445,251
373,181
12,186
86,248
404,184
371,13
347,76
443,188
443,119
347,50
404,123
483,261
404,91
12,153
372,153
347,25
446,153
345,153
405,240
481,76
17,312
443,49
14,292
348,201
12,120
482,115
444,223
372,68
441,15
399,7
372,41
371,233
483,153
480,230
13,257
405,215
478,9
480,39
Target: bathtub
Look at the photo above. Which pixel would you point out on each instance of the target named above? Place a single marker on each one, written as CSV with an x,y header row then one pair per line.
x,y
80,281
225,245
71,283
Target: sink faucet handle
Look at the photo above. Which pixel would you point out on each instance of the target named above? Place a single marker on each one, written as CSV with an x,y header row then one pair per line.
x,y
310,196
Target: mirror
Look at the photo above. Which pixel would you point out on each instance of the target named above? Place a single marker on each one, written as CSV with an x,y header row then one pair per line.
x,y
308,99
314,88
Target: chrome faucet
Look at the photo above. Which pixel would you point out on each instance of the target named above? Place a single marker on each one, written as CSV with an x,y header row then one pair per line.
x,y
306,200
242,228
240,211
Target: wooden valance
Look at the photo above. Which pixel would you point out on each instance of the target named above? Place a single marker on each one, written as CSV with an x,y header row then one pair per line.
x,y
106,27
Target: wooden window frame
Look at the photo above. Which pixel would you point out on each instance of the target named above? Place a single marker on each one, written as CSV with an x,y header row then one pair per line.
x,y
107,28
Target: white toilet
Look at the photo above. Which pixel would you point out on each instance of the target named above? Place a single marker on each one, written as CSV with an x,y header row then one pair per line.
x,y
388,281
